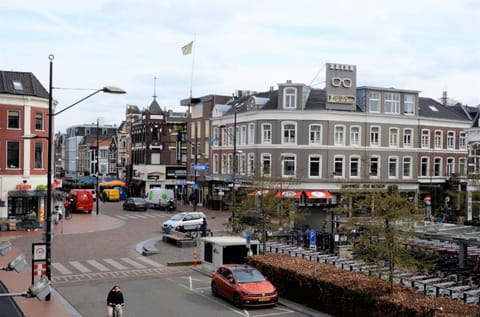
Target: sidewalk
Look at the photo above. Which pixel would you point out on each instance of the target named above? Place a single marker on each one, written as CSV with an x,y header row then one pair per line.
x,y
20,282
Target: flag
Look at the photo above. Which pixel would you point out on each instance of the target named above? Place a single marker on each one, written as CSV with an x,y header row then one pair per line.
x,y
187,49
215,139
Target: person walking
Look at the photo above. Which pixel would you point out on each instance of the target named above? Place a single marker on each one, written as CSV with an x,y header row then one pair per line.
x,y
204,227
115,302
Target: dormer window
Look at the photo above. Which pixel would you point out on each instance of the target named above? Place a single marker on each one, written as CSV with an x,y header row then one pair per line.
x,y
290,98
17,85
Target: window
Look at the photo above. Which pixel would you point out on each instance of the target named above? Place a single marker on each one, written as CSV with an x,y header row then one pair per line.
x,y
375,136
215,163
462,143
425,139
243,135
338,166
374,166
354,166
451,140
39,121
462,166
242,163
438,139
266,165
450,166
392,102
251,164
407,167
393,137
374,101
339,135
17,85
393,167
216,136
437,166
38,155
290,98
224,164
251,133
354,135
407,138
424,166
13,119
314,166
315,134
13,154
266,133
289,133
409,104
288,169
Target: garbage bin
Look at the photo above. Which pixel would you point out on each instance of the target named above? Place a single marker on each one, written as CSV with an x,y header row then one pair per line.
x,y
12,224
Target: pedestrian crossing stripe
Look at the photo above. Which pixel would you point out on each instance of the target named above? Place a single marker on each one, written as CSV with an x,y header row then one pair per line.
x,y
141,216
104,265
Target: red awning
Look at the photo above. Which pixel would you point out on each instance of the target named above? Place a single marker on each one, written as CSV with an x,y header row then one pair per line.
x,y
259,192
315,194
289,194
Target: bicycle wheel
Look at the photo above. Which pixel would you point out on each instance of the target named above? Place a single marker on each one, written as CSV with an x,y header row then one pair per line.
x,y
194,234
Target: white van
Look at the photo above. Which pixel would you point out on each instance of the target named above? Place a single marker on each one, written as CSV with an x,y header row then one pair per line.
x,y
158,197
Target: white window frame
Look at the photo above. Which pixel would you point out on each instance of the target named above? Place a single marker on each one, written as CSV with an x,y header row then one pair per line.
x,y
290,98
407,164
462,166
451,140
393,134
339,160
266,133
450,166
424,166
339,135
375,139
315,136
215,163
425,139
462,140
289,139
408,137
438,139
391,102
355,159
287,159
437,162
315,159
355,136
374,101
266,157
373,158
409,104
243,135
393,159
251,133
251,163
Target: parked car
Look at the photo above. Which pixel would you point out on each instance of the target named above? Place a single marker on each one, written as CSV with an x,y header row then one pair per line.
x,y
185,221
135,203
243,285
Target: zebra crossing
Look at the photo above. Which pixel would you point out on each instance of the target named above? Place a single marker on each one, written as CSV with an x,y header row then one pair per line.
x,y
142,215
85,270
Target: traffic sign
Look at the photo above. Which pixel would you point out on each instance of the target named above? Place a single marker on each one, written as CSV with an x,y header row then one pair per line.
x,y
200,167
313,239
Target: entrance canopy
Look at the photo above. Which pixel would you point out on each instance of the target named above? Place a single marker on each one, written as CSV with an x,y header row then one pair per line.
x,y
296,194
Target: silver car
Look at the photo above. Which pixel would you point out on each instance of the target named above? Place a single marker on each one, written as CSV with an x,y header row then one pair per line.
x,y
185,221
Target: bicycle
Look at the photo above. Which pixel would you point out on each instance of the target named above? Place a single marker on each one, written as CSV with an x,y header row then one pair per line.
x,y
117,310
196,234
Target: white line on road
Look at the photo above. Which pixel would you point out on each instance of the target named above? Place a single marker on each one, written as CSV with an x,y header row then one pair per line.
x,y
141,216
98,265
61,268
150,215
79,266
149,261
133,263
115,264
131,216
122,217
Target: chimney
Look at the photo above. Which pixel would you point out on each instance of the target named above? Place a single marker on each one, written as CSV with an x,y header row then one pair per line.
x,y
289,81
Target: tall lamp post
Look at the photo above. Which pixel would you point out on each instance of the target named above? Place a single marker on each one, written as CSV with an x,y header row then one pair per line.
x,y
97,188
51,114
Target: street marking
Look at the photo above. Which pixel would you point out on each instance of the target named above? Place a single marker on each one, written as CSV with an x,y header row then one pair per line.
x,y
79,266
150,215
141,216
98,265
115,264
122,217
133,263
131,216
61,268
149,261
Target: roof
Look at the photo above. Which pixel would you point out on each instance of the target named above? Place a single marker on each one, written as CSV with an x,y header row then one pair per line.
x,y
29,84
155,107
430,108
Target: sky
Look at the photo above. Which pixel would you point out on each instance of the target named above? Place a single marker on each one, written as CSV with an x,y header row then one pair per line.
x,y
426,45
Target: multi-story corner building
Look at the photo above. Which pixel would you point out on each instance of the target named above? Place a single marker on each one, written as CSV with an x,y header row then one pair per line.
x,y
153,149
23,165
319,142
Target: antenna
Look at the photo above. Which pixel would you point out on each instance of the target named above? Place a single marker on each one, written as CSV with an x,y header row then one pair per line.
x,y
154,87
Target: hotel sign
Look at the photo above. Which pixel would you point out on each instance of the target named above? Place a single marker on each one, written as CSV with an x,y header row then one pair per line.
x,y
341,84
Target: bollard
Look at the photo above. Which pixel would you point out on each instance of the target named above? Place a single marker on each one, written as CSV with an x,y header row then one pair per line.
x,y
195,258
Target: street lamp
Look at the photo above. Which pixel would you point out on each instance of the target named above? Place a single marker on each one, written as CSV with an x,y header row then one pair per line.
x,y
51,114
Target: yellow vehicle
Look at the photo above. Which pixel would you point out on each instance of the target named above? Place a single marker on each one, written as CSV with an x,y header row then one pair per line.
x,y
111,195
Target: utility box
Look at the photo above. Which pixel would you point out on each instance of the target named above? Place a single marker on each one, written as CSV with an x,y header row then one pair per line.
x,y
12,224
216,251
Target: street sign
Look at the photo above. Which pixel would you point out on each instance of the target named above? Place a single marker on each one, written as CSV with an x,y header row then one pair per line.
x,y
200,167
249,238
313,239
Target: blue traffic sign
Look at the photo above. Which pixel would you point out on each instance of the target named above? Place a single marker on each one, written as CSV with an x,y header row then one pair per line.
x,y
200,167
249,238
313,238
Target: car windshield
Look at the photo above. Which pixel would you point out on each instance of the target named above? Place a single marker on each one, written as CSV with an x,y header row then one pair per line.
x,y
139,200
248,275
178,216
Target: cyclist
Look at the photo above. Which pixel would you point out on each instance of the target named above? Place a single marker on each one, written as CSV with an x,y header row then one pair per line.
x,y
115,302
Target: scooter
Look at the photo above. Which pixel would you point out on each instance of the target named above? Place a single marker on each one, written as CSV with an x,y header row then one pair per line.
x,y
57,214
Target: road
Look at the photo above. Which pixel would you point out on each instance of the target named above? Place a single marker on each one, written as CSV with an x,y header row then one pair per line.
x,y
86,265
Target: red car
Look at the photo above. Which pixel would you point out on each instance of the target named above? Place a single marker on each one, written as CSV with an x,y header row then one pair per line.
x,y
243,285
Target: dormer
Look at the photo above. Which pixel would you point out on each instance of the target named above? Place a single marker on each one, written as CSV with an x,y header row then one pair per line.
x,y
292,96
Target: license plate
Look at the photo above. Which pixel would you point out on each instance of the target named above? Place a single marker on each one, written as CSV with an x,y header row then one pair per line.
x,y
264,299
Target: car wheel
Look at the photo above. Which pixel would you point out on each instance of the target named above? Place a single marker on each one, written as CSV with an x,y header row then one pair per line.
x,y
214,289
145,209
236,300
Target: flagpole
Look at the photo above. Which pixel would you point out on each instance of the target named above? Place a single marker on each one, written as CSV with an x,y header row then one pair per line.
x,y
193,63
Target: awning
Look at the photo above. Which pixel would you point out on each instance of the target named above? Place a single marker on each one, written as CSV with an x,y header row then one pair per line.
x,y
315,194
260,192
289,194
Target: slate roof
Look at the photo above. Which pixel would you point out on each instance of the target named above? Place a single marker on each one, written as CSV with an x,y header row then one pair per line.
x,y
427,109
155,107
30,83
